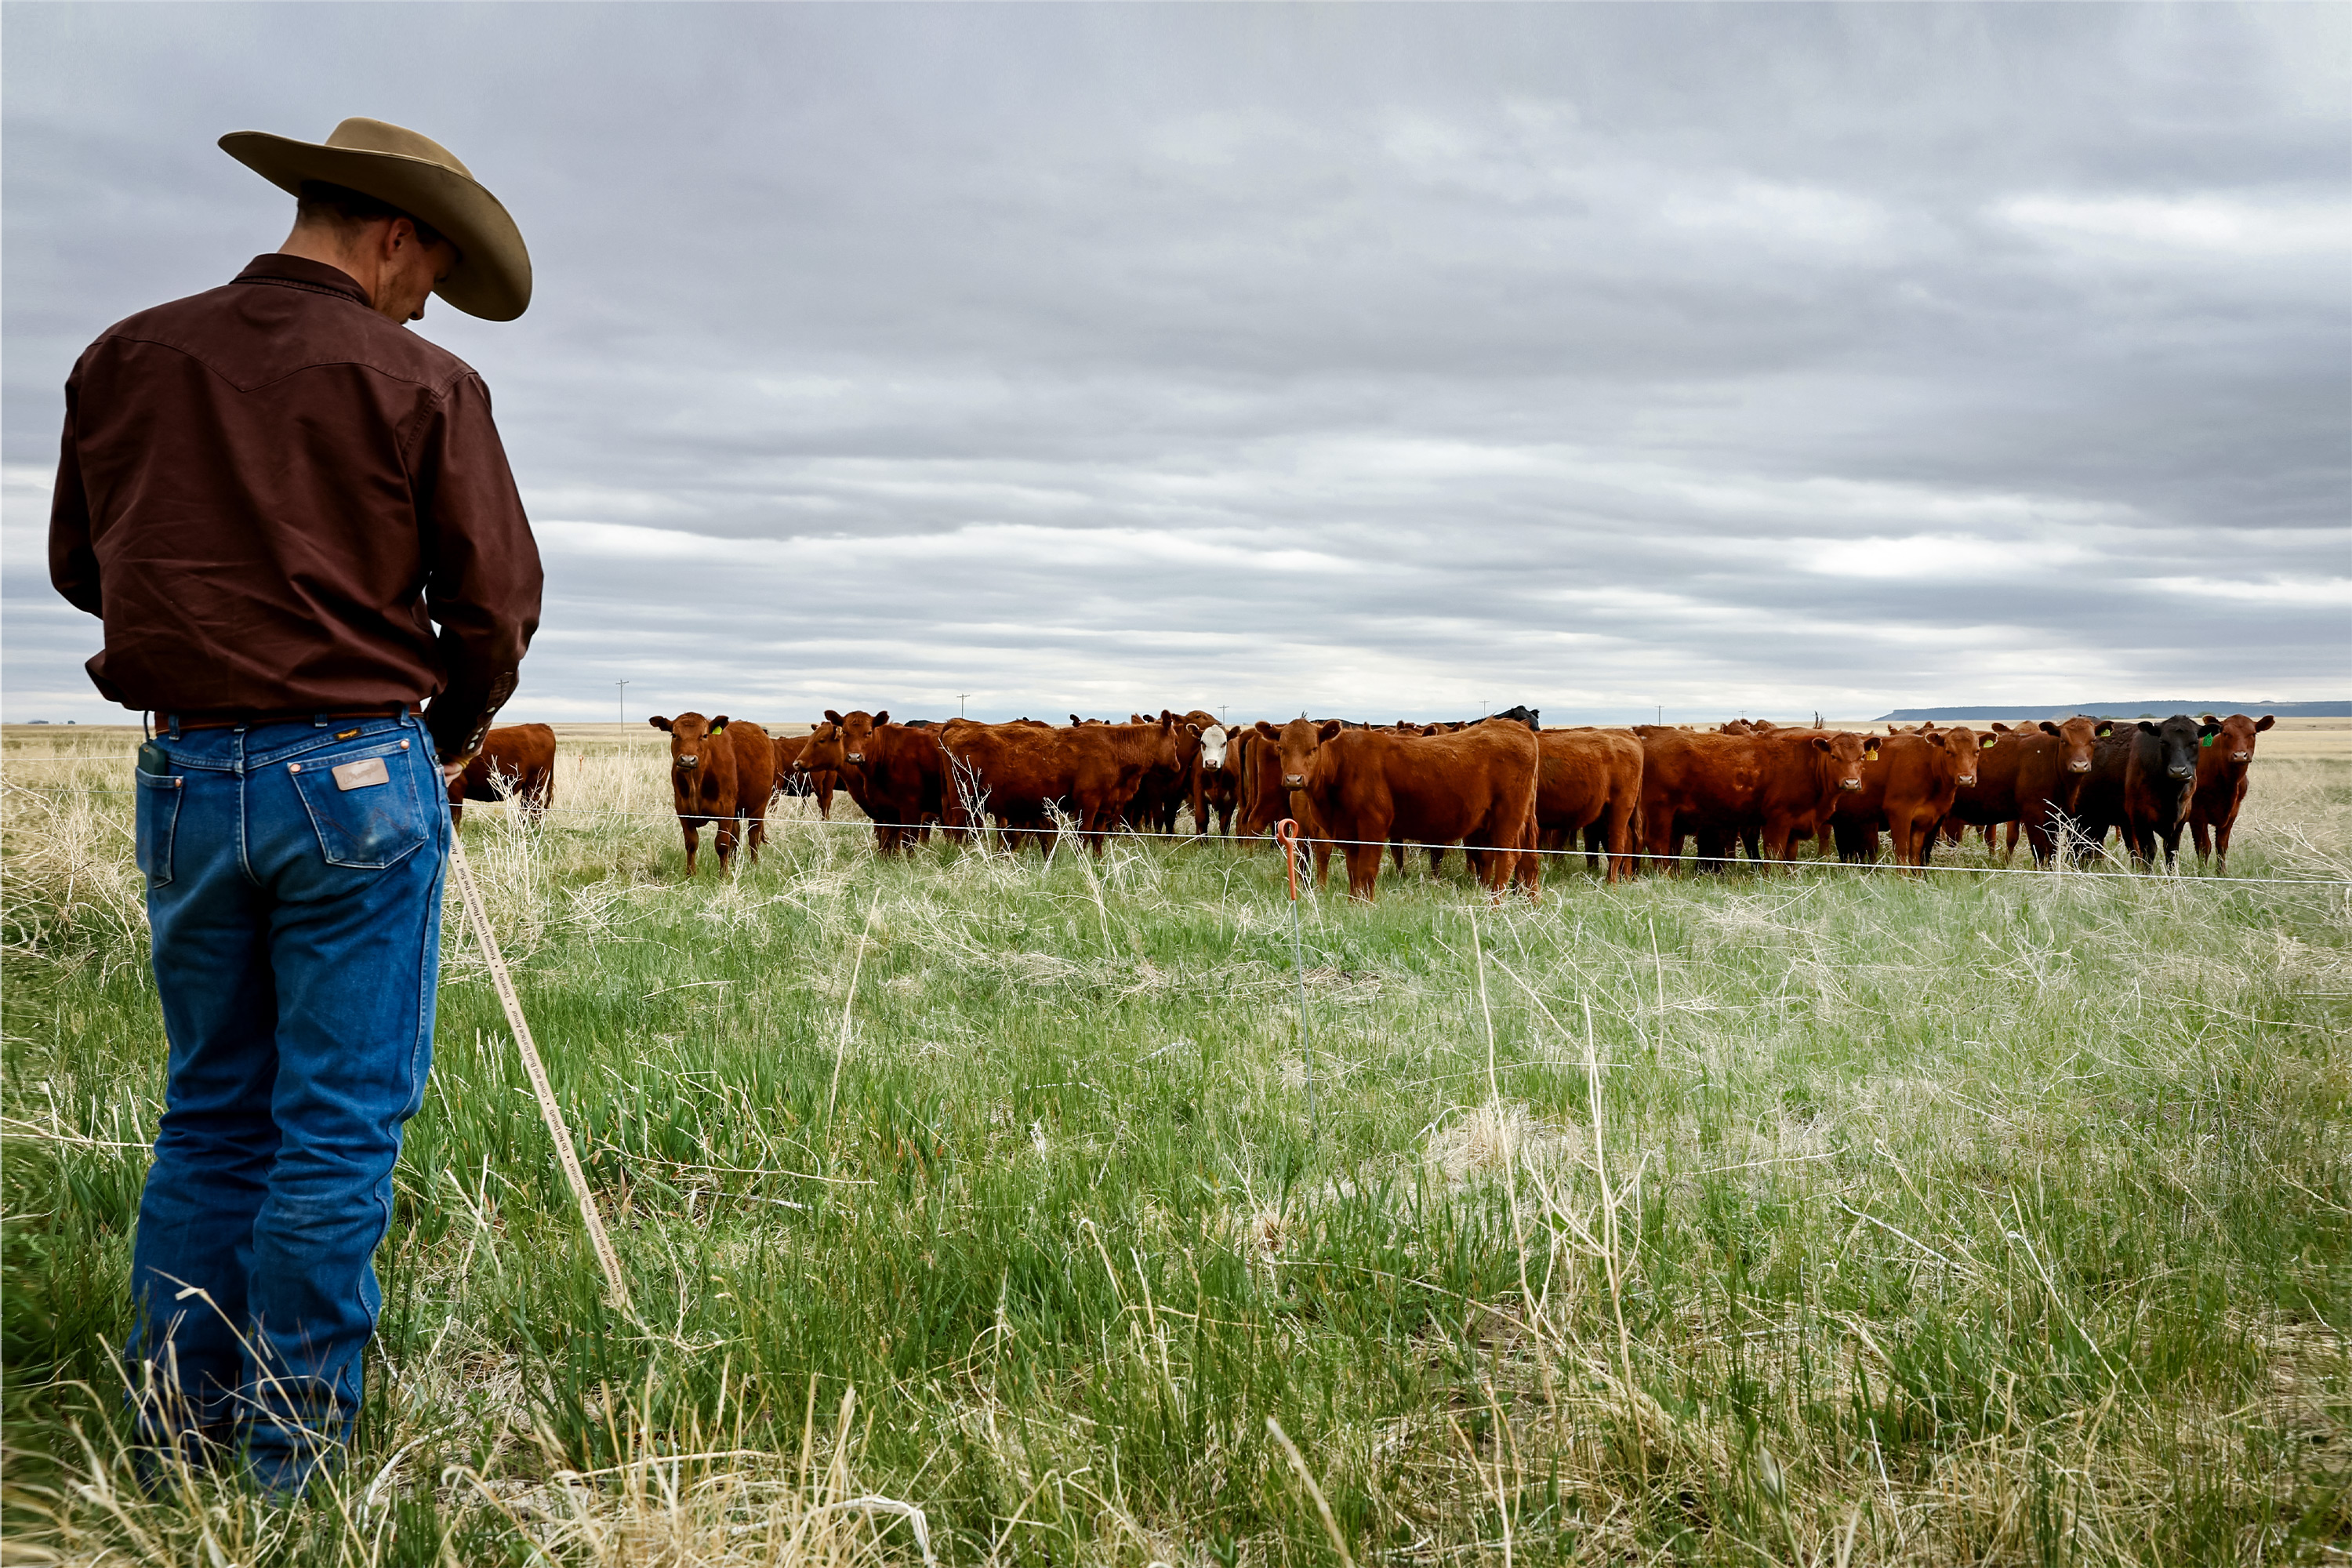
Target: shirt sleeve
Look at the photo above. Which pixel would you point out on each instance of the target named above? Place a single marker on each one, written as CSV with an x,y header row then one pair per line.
x,y
73,560
482,572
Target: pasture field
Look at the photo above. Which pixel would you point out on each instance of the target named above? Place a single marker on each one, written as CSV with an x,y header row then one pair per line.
x,y
1814,1217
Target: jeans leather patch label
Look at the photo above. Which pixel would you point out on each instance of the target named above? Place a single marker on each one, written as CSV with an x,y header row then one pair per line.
x,y
360,774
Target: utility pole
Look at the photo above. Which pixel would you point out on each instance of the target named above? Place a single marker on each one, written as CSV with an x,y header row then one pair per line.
x,y
1662,714
623,702
959,697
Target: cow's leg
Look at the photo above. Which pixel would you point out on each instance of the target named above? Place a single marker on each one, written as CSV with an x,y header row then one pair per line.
x,y
2197,837
691,827
1363,870
757,837
2221,844
1322,853
723,840
1396,849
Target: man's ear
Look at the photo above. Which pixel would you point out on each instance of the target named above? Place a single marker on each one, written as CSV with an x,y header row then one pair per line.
x,y
831,717
2265,721
882,717
718,725
1266,729
1329,728
659,723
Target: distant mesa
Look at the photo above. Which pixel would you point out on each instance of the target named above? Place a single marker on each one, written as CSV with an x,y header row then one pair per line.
x,y
2334,708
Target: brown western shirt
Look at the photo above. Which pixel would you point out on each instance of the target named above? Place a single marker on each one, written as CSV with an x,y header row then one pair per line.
x,y
272,495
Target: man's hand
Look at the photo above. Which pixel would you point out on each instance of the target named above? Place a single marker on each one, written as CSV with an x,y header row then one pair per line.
x,y
452,772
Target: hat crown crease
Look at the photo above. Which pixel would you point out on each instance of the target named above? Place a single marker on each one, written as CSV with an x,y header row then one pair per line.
x,y
361,135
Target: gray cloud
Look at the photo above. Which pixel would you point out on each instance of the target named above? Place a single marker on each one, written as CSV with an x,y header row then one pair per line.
x,y
1372,359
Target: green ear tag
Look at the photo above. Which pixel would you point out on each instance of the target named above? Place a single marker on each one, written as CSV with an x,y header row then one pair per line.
x,y
2204,740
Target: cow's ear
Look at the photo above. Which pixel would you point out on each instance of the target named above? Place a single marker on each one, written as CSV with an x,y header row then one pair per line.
x,y
1266,729
1870,746
2208,721
718,725
659,723
1987,742
1192,730
1329,728
2105,727
882,717
2148,727
2265,721
831,717
1820,742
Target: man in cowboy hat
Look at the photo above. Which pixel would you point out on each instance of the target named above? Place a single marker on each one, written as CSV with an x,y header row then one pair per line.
x,y
272,493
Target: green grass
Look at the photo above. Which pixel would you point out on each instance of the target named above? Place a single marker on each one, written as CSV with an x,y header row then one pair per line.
x,y
1807,1218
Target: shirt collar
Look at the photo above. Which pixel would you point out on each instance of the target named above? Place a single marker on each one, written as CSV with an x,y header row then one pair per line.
x,y
300,273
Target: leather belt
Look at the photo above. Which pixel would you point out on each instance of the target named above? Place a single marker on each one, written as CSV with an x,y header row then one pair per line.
x,y
250,721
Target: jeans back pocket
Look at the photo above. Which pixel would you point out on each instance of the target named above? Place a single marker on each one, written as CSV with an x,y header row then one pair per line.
x,y
155,816
363,804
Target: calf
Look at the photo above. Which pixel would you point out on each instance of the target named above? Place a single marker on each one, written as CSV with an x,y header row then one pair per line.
x,y
1906,791
802,783
1777,786
1364,787
1092,770
1589,783
517,761
895,773
1215,784
2030,778
2223,761
2141,780
720,773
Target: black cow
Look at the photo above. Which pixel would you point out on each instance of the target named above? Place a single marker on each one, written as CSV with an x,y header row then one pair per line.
x,y
1523,713
2142,777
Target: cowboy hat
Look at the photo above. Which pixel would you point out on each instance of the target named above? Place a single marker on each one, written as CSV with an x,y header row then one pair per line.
x,y
423,179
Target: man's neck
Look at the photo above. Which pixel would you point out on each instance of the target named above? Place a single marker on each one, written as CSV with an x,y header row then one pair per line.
x,y
327,246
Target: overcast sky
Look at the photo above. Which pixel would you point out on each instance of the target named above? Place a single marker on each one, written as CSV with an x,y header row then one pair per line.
x,y
1375,359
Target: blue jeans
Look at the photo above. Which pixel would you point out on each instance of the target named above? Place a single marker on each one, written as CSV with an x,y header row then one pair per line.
x,y
294,893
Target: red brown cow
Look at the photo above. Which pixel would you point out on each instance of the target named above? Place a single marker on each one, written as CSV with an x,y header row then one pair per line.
x,y
1906,792
1589,783
517,761
722,774
2221,764
795,780
1161,795
1365,787
895,773
1718,787
2028,777
1263,800
1019,774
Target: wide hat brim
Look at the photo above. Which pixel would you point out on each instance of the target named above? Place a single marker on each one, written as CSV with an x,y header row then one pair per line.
x,y
492,277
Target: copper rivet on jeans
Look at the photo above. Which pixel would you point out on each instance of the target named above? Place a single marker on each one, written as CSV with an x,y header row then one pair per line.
x,y
293,767
404,745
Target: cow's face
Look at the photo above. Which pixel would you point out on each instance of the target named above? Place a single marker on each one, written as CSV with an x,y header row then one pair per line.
x,y
1212,746
856,730
1297,742
2080,737
1964,743
2233,738
2176,745
1846,753
823,752
690,741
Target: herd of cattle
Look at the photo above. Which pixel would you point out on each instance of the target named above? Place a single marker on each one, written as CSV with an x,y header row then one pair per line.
x,y
1497,788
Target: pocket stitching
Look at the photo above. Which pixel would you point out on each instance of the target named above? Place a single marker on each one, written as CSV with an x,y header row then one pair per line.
x,y
299,771
167,830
